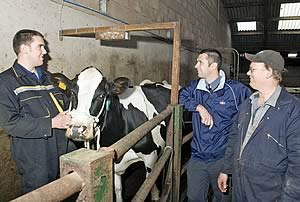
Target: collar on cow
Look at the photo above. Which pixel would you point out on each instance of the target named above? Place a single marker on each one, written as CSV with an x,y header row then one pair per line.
x,y
106,110
107,104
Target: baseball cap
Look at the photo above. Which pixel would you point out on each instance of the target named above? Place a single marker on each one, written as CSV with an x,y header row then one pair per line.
x,y
269,57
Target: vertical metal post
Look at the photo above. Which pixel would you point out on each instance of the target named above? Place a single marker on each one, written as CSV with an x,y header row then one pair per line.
x,y
178,113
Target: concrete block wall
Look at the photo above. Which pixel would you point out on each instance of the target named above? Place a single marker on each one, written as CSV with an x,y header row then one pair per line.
x,y
203,22
203,25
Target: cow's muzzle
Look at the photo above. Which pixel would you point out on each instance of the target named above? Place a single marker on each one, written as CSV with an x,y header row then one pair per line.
x,y
81,128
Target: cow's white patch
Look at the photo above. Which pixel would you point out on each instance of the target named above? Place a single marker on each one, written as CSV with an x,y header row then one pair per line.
x,y
138,99
88,82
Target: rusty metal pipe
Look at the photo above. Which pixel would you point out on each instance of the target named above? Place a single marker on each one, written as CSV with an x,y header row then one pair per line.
x,y
124,144
146,187
57,190
187,138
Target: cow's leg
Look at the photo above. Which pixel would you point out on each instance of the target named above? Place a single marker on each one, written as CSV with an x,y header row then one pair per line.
x,y
118,188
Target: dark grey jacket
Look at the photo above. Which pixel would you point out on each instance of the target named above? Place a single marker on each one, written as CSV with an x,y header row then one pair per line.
x,y
26,110
269,167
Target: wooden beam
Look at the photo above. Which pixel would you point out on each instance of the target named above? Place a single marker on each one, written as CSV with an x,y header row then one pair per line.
x,y
260,33
119,28
244,4
247,19
248,33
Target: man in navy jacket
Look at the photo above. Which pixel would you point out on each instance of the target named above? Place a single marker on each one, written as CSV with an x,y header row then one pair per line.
x,y
263,153
214,101
29,115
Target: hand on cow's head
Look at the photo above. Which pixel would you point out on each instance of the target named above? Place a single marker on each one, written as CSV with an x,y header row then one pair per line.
x,y
119,85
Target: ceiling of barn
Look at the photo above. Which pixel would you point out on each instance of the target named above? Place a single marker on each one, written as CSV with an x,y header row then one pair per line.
x,y
266,36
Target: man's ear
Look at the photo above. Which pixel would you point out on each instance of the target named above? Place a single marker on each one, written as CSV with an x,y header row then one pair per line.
x,y
214,65
119,85
24,48
269,73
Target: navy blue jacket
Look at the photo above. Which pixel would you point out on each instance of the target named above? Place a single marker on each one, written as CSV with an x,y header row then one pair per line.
x,y
269,167
209,144
26,111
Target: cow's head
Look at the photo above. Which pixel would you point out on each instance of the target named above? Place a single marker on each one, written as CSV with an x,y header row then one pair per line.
x,y
90,98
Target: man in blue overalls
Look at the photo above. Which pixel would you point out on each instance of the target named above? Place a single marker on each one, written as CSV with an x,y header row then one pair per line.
x,y
263,152
29,115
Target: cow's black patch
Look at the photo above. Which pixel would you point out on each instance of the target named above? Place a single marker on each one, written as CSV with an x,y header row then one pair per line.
x,y
157,95
134,118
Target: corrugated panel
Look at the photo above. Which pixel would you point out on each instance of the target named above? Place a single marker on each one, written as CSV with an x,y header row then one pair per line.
x,y
288,24
246,26
257,9
242,12
290,9
239,1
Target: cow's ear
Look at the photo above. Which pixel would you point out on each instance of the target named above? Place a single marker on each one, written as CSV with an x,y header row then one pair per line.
x,y
119,85
61,81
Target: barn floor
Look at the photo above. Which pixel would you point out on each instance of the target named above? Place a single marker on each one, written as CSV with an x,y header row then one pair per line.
x,y
10,182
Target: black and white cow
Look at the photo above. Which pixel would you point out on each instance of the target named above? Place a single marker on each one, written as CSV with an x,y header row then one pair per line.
x,y
110,110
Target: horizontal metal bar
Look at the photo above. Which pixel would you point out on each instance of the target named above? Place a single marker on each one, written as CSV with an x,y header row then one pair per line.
x,y
184,167
186,138
146,187
124,144
57,190
239,5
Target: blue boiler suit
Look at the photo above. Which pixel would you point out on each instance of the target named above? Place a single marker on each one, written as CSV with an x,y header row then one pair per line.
x,y
26,111
269,166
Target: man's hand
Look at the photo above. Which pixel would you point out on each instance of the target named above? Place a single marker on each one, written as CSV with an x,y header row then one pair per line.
x,y
61,120
222,182
206,118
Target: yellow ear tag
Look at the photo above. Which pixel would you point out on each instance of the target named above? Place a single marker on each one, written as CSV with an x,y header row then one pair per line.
x,y
62,85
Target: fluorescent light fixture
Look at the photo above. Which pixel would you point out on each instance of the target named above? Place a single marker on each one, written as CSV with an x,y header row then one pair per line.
x,y
246,26
288,10
292,55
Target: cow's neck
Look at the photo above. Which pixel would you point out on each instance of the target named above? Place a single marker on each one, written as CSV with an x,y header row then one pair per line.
x,y
114,126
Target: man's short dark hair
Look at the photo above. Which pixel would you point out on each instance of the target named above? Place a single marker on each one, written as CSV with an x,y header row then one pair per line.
x,y
24,36
213,56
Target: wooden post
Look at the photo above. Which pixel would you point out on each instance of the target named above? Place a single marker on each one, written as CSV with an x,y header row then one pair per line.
x,y
96,168
178,113
176,63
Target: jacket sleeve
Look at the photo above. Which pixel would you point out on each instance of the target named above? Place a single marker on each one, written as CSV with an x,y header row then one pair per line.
x,y
291,187
229,153
20,125
186,97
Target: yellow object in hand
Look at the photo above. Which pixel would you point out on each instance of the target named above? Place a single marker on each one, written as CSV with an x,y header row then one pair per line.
x,y
56,102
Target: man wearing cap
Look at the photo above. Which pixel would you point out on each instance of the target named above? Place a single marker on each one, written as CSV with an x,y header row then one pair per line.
x,y
263,153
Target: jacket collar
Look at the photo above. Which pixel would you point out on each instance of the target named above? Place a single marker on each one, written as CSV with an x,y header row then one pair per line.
x,y
20,71
202,84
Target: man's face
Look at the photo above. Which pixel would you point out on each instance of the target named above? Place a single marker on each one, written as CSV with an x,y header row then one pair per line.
x,y
258,75
36,51
202,66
